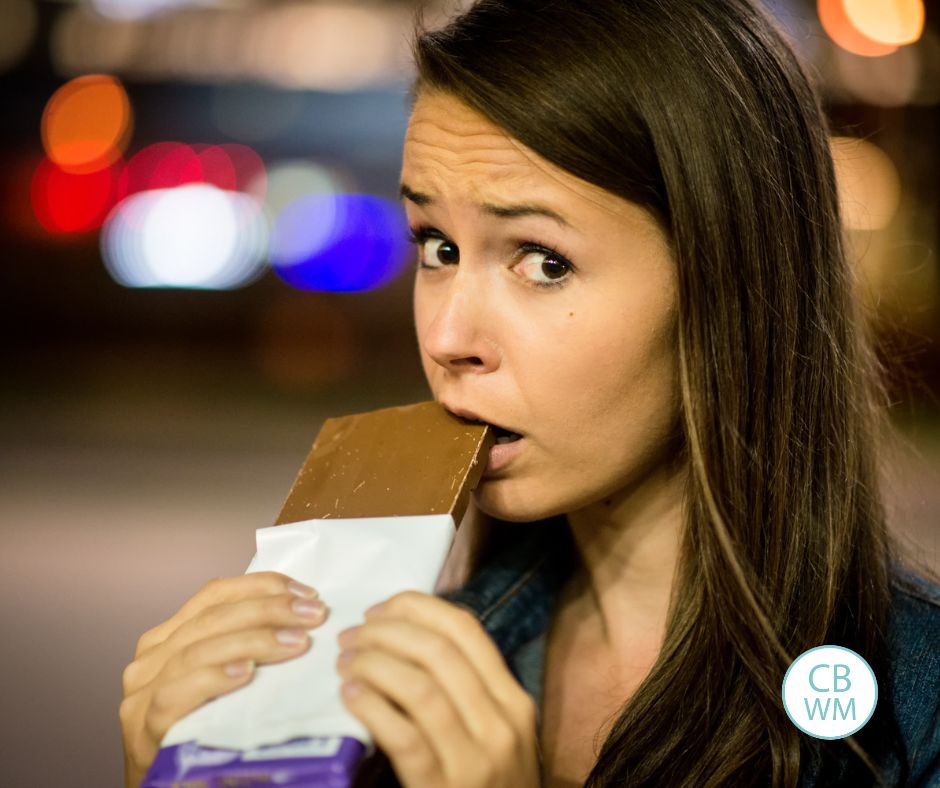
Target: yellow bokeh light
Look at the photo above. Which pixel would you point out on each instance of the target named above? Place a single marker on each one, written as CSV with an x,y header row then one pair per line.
x,y
891,22
869,184
87,123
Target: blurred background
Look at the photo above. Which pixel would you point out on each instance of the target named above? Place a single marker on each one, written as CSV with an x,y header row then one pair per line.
x,y
204,257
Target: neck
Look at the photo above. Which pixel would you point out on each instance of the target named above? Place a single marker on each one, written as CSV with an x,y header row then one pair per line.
x,y
628,545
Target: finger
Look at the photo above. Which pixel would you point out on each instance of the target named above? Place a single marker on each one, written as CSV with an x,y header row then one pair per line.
x,y
263,645
463,629
415,763
426,704
217,591
441,658
281,610
177,698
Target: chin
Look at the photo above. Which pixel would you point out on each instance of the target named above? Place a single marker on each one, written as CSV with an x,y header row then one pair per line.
x,y
497,498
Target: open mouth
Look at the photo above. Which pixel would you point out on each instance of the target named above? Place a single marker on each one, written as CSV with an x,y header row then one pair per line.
x,y
505,436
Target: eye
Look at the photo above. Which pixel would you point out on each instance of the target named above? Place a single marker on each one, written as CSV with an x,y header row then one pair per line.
x,y
444,252
552,266
551,271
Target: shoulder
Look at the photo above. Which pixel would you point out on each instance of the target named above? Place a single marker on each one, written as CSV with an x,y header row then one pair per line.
x,y
914,643
915,619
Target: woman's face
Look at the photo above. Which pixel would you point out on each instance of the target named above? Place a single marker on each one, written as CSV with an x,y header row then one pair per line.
x,y
578,356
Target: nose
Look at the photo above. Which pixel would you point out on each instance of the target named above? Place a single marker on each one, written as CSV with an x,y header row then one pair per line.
x,y
457,333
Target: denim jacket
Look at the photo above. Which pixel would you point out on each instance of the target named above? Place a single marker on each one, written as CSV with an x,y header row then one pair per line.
x,y
513,597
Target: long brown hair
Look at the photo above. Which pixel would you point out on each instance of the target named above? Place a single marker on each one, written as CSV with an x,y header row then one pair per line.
x,y
698,111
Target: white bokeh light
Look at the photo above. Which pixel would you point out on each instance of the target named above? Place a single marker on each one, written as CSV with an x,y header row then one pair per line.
x,y
189,235
289,180
195,236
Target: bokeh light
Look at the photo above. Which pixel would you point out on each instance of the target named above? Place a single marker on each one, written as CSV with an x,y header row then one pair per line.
x,y
17,31
869,184
87,123
339,242
216,166
165,165
840,29
291,179
195,236
162,165
892,22
70,202
248,168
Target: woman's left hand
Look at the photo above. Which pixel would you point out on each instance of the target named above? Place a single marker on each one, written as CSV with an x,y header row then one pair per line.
x,y
437,697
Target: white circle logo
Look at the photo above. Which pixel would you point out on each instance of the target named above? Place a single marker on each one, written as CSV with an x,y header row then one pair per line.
x,y
830,692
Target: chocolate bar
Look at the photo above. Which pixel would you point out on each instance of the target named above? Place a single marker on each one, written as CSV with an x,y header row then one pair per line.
x,y
405,460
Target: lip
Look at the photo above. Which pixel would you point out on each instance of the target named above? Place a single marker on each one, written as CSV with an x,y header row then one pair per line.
x,y
501,454
469,414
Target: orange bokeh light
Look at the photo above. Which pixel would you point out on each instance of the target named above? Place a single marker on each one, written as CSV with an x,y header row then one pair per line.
x,y
892,22
87,123
840,29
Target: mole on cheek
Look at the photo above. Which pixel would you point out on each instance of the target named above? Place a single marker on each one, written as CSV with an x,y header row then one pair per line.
x,y
571,314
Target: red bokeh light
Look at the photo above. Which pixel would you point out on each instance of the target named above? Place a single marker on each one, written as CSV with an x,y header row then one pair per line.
x,y
162,165
165,165
68,202
249,170
217,167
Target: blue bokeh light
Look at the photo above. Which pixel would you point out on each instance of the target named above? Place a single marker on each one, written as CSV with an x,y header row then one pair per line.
x,y
339,242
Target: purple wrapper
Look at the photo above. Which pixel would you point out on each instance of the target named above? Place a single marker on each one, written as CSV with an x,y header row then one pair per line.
x,y
308,762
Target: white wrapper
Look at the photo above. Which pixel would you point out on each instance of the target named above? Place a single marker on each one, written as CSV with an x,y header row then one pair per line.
x,y
354,564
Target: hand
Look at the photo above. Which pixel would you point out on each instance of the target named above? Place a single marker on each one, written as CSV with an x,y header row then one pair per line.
x,y
437,697
231,623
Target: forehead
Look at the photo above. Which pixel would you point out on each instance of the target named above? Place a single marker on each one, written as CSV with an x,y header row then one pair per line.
x,y
453,151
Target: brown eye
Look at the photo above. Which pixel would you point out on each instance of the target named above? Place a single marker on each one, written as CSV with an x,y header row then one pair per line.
x,y
445,252
550,271
554,269
448,253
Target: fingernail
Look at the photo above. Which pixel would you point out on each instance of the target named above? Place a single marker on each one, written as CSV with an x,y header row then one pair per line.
x,y
300,589
290,637
375,609
348,636
310,608
243,668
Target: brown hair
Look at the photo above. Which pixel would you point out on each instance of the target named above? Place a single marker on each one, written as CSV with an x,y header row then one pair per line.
x,y
698,111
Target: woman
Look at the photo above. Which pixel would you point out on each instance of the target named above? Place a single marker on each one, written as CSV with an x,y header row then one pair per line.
x,y
629,253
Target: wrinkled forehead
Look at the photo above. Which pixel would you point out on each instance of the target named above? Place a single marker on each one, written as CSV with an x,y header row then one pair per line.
x,y
453,151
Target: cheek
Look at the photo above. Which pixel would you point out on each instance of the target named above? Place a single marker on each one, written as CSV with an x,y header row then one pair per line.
x,y
605,408
600,364
612,397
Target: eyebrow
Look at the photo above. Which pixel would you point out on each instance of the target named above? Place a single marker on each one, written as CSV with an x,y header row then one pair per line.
x,y
500,211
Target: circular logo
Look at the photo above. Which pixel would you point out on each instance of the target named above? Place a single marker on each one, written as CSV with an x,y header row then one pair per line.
x,y
830,692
